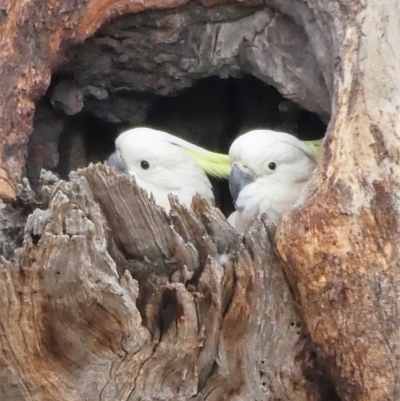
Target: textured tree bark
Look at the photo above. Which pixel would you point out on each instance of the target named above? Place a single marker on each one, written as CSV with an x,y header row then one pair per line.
x,y
105,297
33,36
342,255
109,298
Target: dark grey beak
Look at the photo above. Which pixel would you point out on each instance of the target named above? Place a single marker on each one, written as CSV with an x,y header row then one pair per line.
x,y
114,160
238,179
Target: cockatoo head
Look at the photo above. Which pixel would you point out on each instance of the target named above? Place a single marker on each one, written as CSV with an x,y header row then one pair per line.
x,y
164,164
269,169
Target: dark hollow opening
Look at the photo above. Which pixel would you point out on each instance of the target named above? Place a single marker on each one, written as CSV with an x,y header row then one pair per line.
x,y
211,113
145,70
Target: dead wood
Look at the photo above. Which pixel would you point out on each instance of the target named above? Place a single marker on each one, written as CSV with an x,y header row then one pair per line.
x,y
341,251
111,298
100,301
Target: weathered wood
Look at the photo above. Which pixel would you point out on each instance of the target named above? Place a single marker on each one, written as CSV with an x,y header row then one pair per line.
x,y
342,254
225,40
96,304
185,309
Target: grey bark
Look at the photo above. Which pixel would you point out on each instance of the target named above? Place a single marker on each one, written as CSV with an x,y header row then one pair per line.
x,y
117,300
149,313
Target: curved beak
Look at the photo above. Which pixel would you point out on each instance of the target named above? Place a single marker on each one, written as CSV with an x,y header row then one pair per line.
x,y
114,160
238,179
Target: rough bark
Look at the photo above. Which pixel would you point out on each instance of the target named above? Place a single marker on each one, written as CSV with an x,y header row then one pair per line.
x,y
34,35
92,308
342,254
109,298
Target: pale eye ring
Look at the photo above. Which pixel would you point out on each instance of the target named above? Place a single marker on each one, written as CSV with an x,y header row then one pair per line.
x,y
144,164
272,166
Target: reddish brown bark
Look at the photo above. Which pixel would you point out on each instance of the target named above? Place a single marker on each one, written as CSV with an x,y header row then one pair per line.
x,y
341,251
110,298
34,36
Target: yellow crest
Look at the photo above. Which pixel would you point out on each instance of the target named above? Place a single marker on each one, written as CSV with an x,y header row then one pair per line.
x,y
314,146
214,164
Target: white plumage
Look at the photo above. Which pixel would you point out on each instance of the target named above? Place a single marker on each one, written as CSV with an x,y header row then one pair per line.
x,y
269,171
162,164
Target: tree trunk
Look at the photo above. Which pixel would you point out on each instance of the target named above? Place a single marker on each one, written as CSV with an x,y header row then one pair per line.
x,y
153,308
342,254
106,297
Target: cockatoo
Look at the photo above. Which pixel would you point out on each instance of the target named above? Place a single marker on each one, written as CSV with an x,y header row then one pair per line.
x,y
164,164
269,170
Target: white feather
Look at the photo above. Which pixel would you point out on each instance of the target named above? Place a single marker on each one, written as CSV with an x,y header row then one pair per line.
x,y
171,169
273,192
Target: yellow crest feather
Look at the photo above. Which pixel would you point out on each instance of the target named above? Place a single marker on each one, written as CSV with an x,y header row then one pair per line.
x,y
314,146
214,164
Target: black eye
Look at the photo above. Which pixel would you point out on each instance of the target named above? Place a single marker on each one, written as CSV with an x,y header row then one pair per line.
x,y
272,166
144,164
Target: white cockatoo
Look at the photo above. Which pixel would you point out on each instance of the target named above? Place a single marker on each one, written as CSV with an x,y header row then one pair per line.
x,y
164,164
269,171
